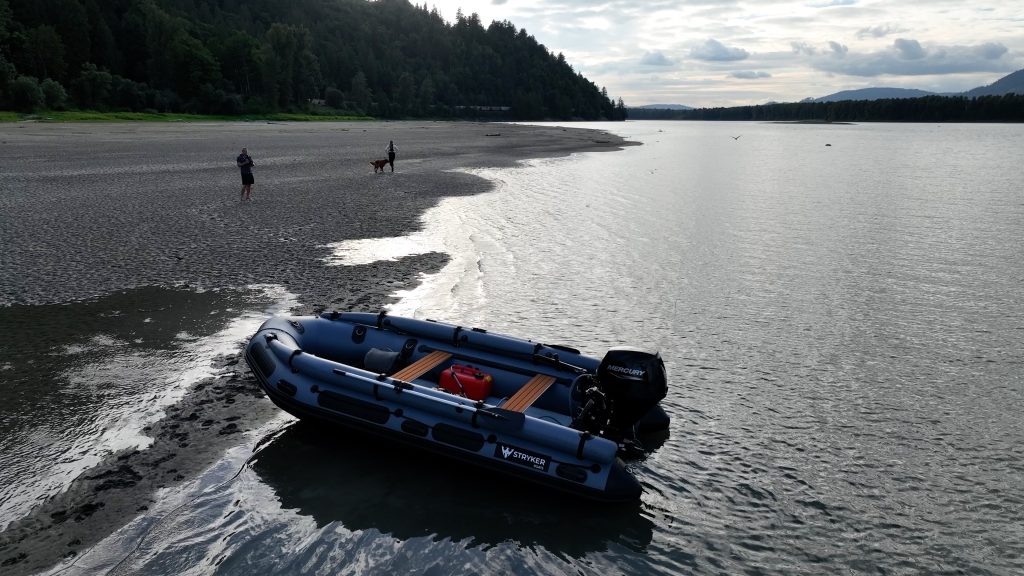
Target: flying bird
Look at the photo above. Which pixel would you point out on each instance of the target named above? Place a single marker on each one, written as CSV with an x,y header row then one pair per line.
x,y
737,137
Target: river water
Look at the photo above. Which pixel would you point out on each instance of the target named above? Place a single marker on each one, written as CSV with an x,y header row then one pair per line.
x,y
841,315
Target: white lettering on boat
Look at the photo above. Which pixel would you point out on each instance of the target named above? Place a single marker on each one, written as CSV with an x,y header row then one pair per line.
x,y
522,456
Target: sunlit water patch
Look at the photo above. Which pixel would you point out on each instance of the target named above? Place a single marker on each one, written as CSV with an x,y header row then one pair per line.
x,y
430,238
368,250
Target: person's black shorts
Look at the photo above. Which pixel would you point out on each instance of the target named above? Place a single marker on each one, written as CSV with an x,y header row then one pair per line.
x,y
247,179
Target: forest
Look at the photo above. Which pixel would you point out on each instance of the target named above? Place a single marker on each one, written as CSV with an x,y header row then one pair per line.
x,y
385,58
1005,108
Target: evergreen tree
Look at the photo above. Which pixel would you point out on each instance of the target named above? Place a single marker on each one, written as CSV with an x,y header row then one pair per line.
x,y
360,93
26,95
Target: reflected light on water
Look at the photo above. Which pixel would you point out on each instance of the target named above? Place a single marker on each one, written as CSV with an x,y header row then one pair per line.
x,y
102,390
370,250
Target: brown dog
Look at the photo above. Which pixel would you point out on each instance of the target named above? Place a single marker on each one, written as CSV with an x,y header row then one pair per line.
x,y
378,165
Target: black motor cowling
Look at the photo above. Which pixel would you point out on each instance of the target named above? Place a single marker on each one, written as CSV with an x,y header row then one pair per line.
x,y
628,384
634,382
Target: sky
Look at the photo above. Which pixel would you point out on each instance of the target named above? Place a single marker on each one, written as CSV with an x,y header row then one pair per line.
x,y
706,53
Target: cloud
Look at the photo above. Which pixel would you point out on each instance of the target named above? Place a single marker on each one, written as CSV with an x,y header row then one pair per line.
x,y
659,50
803,48
837,50
834,3
910,58
909,49
749,75
990,50
656,58
714,51
878,31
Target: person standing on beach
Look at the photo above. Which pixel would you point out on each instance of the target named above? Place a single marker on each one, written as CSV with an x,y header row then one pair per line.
x,y
391,149
245,163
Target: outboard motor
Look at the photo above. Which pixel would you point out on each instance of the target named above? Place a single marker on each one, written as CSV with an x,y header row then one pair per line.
x,y
629,383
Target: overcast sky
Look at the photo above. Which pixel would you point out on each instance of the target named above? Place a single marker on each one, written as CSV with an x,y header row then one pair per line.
x,y
727,53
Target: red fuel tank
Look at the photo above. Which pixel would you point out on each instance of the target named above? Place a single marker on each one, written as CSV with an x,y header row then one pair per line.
x,y
466,381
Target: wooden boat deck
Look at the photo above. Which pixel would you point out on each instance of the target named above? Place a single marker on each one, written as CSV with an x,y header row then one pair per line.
x,y
421,366
529,393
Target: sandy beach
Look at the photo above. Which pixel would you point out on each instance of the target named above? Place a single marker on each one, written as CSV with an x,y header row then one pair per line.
x,y
91,210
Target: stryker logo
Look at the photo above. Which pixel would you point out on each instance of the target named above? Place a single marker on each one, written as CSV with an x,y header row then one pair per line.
x,y
521,456
634,372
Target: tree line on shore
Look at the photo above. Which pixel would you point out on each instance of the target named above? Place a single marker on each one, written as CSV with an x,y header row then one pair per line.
x,y
1005,108
386,58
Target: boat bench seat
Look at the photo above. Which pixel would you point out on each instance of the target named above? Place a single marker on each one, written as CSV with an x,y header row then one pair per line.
x,y
529,393
421,366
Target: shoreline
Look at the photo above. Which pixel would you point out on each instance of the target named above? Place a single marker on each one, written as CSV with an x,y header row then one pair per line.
x,y
158,204
121,236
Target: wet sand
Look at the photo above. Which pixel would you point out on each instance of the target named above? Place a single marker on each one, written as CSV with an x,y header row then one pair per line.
x,y
90,210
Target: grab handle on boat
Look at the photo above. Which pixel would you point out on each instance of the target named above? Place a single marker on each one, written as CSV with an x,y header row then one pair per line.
x,y
553,360
499,420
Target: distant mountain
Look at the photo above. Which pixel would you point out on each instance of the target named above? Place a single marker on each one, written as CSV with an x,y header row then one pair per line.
x,y
1002,101
664,107
873,94
1013,83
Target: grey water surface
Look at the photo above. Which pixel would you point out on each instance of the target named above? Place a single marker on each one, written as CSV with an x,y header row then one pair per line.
x,y
840,308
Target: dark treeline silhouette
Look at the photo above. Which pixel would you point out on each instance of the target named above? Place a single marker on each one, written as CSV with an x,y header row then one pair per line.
x,y
386,58
1006,108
